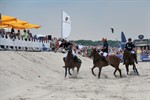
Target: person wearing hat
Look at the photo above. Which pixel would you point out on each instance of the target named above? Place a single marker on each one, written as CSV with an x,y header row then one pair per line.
x,y
104,49
130,47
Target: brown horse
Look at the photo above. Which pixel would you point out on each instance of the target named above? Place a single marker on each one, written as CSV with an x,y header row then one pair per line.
x,y
70,63
113,60
129,59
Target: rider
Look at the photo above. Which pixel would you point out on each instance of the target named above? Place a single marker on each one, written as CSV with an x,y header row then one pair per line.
x,y
130,47
68,46
104,49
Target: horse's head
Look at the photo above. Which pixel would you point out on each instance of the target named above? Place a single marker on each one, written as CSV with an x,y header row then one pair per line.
x,y
128,56
127,53
93,52
69,55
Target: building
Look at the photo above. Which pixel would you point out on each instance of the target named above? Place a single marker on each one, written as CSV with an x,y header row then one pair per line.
x,y
142,43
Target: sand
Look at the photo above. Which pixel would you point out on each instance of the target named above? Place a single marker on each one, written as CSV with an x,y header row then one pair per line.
x,y
40,76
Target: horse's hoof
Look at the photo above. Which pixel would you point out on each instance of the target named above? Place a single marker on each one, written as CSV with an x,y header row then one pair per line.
x,y
70,74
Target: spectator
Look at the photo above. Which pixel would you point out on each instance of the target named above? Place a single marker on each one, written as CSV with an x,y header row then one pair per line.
x,y
18,34
25,35
12,33
30,37
2,32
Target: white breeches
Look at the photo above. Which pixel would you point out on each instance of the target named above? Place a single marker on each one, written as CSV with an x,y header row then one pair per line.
x,y
105,54
73,53
133,52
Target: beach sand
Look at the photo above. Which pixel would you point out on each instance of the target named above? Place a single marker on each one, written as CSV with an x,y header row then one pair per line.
x,y
40,76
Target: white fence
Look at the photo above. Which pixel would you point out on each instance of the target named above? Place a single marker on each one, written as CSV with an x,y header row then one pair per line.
x,y
15,44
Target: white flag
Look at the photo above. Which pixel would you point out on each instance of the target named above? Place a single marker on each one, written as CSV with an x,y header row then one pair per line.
x,y
66,25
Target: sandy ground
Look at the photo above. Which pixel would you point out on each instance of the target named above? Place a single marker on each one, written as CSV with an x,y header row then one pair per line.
x,y
40,76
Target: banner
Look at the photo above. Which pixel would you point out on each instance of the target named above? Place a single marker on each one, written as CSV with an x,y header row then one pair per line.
x,y
66,25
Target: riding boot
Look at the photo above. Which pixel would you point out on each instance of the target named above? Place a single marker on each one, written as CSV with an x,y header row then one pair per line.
x,y
64,59
123,61
75,59
135,57
104,59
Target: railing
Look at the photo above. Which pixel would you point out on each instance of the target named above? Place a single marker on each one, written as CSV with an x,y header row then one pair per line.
x,y
15,44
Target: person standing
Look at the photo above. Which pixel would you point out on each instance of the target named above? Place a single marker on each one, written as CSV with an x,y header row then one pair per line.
x,y
25,35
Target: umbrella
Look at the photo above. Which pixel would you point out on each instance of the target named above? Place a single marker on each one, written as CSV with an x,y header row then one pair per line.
x,y
6,18
9,21
14,22
29,25
19,24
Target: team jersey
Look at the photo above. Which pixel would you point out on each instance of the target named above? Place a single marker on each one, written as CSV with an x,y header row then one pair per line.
x,y
129,46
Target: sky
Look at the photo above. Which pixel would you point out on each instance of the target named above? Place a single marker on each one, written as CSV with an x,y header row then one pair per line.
x,y
90,19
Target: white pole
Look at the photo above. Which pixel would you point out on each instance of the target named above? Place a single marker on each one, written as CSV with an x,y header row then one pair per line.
x,y
61,23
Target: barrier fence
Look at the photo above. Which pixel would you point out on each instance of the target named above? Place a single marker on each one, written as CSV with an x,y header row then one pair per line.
x,y
32,45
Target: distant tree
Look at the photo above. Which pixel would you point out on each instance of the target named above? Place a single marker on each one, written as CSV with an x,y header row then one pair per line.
x,y
96,43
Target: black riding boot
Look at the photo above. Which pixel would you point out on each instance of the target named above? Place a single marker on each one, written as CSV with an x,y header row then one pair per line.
x,y
104,59
75,59
123,61
135,57
64,59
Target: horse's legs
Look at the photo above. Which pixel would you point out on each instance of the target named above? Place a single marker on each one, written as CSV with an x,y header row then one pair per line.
x,y
120,72
65,71
135,69
93,70
127,69
115,72
78,69
99,72
69,71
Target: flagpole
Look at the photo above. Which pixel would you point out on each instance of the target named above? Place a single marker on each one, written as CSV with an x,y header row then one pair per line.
x,y
61,23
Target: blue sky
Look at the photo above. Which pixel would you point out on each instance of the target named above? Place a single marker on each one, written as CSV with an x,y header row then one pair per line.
x,y
91,19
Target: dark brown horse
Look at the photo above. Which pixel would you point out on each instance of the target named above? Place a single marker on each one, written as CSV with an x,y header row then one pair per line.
x,y
129,59
70,63
98,61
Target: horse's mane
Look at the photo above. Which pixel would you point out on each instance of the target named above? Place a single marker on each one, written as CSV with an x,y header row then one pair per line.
x,y
127,55
69,56
96,55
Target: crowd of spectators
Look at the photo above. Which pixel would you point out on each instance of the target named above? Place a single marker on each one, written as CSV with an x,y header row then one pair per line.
x,y
25,34
55,42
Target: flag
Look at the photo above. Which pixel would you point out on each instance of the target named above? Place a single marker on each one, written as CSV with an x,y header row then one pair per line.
x,y
66,25
123,40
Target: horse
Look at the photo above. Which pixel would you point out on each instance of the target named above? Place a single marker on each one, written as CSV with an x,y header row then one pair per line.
x,y
70,63
98,61
129,59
